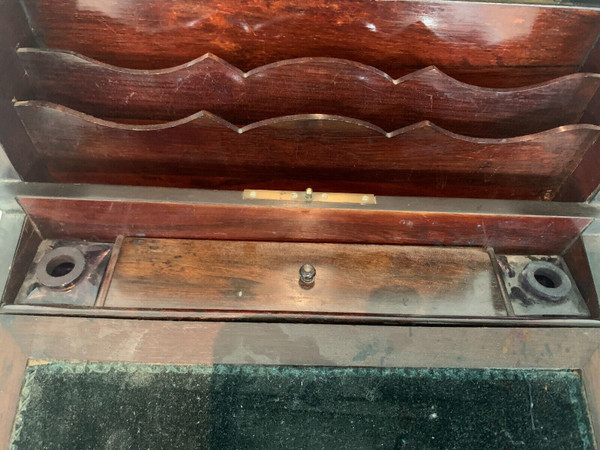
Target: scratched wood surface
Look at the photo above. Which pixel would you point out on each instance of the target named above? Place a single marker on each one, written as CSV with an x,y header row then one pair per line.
x,y
497,45
328,153
105,220
263,276
307,85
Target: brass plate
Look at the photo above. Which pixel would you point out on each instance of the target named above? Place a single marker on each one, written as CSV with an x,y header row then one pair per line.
x,y
304,197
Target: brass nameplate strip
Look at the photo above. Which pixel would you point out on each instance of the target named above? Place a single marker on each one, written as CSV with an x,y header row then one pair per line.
x,y
309,196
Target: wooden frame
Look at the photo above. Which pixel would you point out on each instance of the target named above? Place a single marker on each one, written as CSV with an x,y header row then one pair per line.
x,y
102,213
159,342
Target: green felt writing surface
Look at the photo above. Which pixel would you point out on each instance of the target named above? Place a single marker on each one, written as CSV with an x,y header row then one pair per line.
x,y
123,406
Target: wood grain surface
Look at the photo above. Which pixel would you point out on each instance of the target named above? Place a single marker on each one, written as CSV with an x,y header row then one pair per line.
x,y
328,153
583,183
264,276
577,261
497,45
105,220
14,141
301,86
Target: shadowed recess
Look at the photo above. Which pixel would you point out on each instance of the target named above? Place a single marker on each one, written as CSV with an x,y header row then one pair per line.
x,y
113,405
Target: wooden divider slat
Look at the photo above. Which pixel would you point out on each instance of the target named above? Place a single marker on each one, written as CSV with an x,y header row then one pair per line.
x,y
307,85
480,43
328,153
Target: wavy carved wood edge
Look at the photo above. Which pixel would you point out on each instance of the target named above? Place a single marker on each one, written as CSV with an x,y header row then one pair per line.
x,y
330,153
306,85
490,44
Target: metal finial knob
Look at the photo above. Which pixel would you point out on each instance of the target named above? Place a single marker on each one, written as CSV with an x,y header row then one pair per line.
x,y
308,194
307,273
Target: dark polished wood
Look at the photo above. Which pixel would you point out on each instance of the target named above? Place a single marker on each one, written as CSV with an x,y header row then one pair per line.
x,y
308,85
496,45
328,153
105,220
592,62
15,31
264,276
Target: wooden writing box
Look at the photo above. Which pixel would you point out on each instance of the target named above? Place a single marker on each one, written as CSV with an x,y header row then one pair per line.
x,y
387,167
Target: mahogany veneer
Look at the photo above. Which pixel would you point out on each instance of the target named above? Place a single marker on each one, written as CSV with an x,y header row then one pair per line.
x,y
328,153
497,45
307,85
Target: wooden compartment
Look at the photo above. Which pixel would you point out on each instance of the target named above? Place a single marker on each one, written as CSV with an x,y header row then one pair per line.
x,y
495,45
500,104
414,153
238,259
